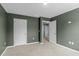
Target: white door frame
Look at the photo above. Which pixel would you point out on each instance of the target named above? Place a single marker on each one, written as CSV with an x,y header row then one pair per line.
x,y
47,22
52,31
25,33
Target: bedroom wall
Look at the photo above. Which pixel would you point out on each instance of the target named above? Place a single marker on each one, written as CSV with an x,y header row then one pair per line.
x,y
68,29
32,28
3,29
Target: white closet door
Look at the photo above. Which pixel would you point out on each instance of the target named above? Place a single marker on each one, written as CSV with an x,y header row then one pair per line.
x,y
20,31
52,35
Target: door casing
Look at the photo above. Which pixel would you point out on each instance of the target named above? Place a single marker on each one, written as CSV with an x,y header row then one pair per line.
x,y
20,31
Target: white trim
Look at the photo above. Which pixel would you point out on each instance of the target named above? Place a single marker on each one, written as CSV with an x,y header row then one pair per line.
x,y
65,47
41,43
52,31
26,28
15,46
68,48
24,44
4,51
48,22
31,43
52,41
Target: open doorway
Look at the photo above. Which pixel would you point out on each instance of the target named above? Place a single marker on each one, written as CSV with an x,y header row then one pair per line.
x,y
45,31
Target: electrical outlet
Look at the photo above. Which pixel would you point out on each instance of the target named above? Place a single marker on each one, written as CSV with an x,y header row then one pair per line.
x,y
72,43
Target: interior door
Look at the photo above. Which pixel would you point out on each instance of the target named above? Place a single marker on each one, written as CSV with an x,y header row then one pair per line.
x,y
52,31
20,31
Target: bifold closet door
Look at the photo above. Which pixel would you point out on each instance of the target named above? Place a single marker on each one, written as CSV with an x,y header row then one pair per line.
x,y
20,31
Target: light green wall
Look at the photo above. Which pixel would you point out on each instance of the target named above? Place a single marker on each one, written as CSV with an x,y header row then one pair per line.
x,y
32,28
3,29
6,28
33,25
68,32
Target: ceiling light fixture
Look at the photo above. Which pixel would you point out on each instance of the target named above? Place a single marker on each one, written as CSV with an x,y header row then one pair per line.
x,y
45,3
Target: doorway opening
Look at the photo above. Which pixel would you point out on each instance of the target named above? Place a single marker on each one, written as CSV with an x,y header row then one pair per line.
x,y
45,31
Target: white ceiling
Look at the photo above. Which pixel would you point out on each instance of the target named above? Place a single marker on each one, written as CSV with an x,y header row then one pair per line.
x,y
38,9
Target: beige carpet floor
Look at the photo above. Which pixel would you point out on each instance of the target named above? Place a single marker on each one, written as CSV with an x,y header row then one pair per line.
x,y
46,49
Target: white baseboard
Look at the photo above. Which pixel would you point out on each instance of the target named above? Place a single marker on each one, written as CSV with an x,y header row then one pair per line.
x,y
4,51
31,43
68,48
23,44
52,42
14,46
41,43
65,47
